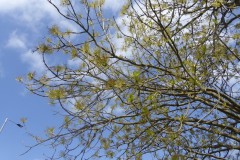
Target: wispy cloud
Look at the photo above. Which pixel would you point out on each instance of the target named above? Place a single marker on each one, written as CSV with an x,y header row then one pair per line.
x,y
16,41
28,11
6,5
114,5
34,17
34,60
73,63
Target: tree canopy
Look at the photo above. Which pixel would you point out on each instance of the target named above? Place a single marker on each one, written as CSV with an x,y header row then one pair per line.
x,y
161,80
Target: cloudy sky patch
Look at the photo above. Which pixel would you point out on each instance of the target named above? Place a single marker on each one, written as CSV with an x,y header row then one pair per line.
x,y
16,41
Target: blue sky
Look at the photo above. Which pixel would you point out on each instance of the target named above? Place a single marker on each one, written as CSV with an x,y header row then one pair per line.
x,y
24,25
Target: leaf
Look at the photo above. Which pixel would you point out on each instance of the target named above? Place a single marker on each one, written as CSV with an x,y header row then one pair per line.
x,y
67,121
136,73
31,75
105,143
79,105
130,98
125,8
43,80
150,133
119,83
74,53
50,131
216,4
54,30
178,157
44,48
110,154
59,68
19,79
175,157
139,156
110,83
145,112
86,48
237,26
56,93
23,120
65,2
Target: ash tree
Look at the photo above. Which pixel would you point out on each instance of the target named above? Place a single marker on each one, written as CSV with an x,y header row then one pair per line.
x,y
160,80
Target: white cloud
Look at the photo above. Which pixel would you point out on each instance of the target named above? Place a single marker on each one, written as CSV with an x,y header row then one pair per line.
x,y
16,41
34,60
35,16
27,6
115,111
28,13
6,5
67,25
114,5
73,63
119,42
